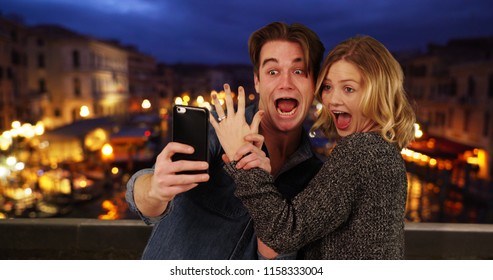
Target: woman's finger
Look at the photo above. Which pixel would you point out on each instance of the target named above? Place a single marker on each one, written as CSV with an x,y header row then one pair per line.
x,y
256,121
230,109
254,160
219,109
225,158
241,101
256,139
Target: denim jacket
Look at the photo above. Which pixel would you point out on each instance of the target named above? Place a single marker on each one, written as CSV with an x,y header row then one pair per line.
x,y
209,222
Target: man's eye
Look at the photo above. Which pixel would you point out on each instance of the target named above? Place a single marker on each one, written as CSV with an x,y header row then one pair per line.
x,y
272,72
299,72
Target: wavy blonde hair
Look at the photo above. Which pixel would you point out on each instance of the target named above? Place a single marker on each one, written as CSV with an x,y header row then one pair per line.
x,y
384,100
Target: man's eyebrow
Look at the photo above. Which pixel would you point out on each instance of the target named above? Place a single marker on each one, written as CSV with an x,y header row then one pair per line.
x,y
269,60
299,59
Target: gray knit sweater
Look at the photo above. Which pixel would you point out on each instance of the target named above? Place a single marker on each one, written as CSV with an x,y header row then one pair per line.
x,y
352,209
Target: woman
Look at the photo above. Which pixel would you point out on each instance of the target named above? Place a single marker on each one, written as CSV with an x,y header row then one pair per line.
x,y
354,207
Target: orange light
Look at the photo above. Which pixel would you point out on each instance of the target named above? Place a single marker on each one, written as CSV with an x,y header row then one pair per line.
x,y
112,211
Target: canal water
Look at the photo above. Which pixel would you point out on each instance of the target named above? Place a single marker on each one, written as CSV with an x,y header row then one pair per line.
x,y
426,202
448,203
433,202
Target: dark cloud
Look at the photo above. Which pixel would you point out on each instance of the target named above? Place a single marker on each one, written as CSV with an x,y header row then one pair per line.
x,y
217,31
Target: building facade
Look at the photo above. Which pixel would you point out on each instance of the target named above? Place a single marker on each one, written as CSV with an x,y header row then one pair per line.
x,y
452,86
75,76
142,80
13,77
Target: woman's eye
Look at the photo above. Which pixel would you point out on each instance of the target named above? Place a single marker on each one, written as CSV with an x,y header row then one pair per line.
x,y
299,72
326,87
349,89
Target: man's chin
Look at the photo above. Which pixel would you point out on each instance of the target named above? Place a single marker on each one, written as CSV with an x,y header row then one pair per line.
x,y
287,125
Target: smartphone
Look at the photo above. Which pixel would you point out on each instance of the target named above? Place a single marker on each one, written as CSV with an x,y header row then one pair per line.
x,y
191,126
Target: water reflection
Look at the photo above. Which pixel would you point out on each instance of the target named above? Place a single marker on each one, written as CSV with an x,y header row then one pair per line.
x,y
85,193
63,192
430,202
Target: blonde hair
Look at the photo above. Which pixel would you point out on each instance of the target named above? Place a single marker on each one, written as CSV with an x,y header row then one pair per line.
x,y
384,101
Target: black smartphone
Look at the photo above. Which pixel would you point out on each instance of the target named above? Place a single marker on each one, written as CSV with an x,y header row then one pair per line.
x,y
191,126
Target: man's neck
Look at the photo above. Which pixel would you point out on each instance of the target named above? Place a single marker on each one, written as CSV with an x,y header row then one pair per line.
x,y
280,146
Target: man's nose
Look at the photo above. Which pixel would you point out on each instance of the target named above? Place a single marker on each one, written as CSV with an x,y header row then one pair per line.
x,y
286,80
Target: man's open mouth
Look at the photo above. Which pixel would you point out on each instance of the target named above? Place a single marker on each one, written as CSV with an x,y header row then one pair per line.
x,y
286,106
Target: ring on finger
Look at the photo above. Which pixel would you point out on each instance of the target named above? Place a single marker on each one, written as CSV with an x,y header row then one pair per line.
x,y
221,118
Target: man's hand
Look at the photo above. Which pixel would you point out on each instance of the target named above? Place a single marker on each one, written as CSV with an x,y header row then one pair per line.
x,y
152,193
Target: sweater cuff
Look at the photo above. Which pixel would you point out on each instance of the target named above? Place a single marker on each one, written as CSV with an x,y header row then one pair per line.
x,y
230,168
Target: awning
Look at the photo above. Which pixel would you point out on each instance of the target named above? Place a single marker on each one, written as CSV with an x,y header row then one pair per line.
x,y
439,147
130,135
79,129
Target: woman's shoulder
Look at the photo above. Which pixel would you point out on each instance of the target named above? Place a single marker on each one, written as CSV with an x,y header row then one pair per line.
x,y
367,143
363,138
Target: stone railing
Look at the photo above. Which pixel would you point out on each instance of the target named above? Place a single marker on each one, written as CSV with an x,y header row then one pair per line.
x,y
89,239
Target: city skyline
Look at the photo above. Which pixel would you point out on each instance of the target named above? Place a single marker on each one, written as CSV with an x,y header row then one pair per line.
x,y
213,33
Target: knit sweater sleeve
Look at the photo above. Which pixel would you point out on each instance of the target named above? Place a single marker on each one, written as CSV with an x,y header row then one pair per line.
x,y
287,225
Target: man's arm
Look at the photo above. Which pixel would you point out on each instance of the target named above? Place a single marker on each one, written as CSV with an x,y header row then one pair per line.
x,y
147,205
150,191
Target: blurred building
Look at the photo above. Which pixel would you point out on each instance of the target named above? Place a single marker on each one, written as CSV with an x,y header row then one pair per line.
x,y
452,86
60,78
194,80
13,77
73,76
142,80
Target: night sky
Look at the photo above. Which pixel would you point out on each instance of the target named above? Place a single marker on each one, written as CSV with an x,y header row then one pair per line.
x,y
214,32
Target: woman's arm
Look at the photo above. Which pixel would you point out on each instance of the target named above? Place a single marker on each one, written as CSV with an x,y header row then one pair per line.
x,y
285,225
288,225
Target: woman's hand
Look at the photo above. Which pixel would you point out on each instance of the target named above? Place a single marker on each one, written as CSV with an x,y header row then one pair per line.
x,y
251,154
231,129
265,250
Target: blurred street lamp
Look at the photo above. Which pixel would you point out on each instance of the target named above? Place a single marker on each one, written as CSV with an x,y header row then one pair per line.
x,y
5,140
186,99
146,104
11,161
107,152
39,128
115,170
4,172
27,130
16,124
418,133
200,99
19,166
96,139
84,111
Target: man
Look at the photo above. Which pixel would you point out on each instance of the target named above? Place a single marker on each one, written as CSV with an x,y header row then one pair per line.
x,y
197,216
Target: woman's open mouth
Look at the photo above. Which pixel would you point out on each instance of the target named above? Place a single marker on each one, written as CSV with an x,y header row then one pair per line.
x,y
342,119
